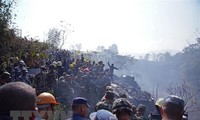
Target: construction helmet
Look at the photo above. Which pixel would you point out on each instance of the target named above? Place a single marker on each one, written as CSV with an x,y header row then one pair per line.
x,y
121,104
46,98
54,63
159,102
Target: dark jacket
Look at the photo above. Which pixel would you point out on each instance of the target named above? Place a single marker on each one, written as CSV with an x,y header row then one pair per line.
x,y
76,116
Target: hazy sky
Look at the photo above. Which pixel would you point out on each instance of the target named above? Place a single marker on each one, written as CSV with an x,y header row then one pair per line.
x,y
136,26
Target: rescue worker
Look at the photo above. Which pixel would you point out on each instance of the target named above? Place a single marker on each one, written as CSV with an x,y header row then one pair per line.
x,y
106,102
40,82
156,114
60,68
172,108
122,108
141,109
18,69
5,78
51,78
108,97
45,104
24,77
103,105
80,108
134,110
62,92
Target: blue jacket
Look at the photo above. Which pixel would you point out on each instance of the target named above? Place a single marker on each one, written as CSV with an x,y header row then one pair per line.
x,y
76,116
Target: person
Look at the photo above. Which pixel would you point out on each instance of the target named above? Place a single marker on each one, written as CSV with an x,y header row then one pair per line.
x,y
108,97
133,115
18,69
140,114
172,108
123,95
106,101
80,108
40,81
122,108
102,115
156,114
5,78
60,68
111,70
15,97
46,103
51,78
24,77
103,105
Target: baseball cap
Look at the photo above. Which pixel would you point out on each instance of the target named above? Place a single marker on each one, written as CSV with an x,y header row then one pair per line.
x,y
102,115
80,101
173,99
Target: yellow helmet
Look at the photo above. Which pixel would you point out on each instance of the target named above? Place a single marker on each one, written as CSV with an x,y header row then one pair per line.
x,y
46,98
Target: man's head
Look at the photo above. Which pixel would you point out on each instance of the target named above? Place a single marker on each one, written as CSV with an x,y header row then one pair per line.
x,y
122,108
80,106
16,96
141,109
109,88
52,67
5,78
21,63
46,102
24,71
172,108
43,69
103,105
109,95
123,96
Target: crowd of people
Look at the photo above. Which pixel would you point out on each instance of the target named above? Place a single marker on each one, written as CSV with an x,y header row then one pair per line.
x,y
19,101
58,67
59,70
57,82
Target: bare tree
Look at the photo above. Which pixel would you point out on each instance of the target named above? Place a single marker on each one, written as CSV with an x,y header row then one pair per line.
x,y
65,30
186,92
58,35
54,37
76,47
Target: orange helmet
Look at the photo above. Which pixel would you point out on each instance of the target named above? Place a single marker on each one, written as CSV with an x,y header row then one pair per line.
x,y
46,98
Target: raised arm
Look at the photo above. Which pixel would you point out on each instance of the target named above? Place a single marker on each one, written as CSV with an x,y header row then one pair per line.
x,y
109,64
